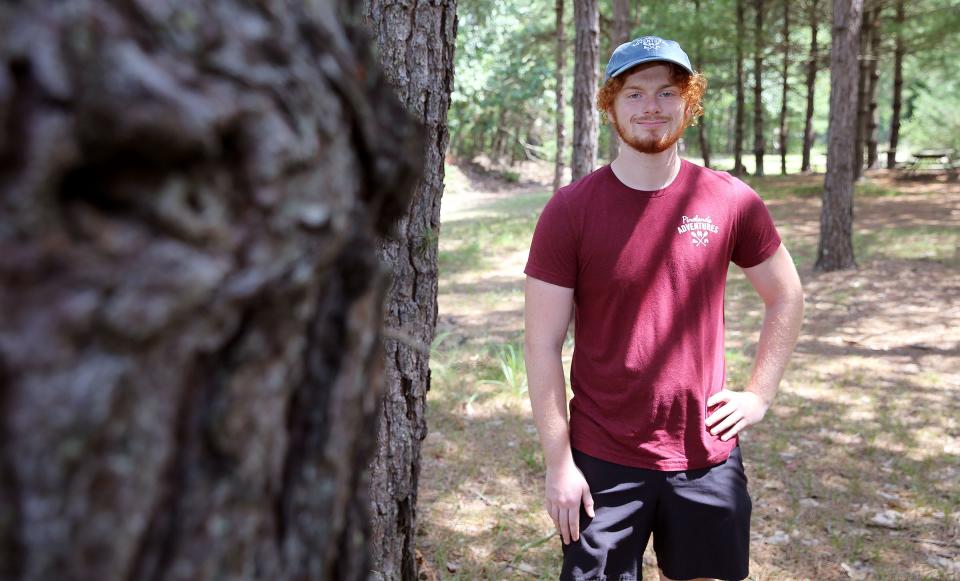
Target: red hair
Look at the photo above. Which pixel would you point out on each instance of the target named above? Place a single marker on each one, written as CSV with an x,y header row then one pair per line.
x,y
692,87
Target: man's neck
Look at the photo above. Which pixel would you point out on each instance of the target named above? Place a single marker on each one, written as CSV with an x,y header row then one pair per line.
x,y
646,171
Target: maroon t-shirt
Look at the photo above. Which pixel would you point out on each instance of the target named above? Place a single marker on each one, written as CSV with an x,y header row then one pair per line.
x,y
648,271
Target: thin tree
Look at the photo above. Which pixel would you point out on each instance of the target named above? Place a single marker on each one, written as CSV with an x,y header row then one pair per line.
x,y
786,87
698,57
863,85
192,305
738,168
898,55
560,57
812,66
835,249
416,44
758,141
586,57
620,34
873,80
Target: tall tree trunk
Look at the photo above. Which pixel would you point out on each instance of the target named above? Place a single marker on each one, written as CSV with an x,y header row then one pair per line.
x,y
586,14
835,250
786,87
497,147
863,87
416,41
190,349
701,123
560,55
898,54
812,66
738,169
620,34
758,143
873,79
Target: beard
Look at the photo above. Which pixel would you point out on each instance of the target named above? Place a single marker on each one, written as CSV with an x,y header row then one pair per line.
x,y
650,144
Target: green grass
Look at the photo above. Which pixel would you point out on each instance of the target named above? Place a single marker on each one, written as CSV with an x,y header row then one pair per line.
x,y
474,244
512,369
917,242
771,163
811,187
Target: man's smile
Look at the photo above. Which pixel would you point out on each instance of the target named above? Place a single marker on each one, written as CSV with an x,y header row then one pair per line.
x,y
651,122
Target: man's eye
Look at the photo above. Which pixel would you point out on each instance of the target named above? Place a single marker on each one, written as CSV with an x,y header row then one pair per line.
x,y
667,94
633,95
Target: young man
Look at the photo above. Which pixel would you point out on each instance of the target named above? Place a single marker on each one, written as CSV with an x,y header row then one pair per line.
x,y
638,251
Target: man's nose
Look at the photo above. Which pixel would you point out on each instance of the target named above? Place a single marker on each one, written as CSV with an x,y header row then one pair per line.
x,y
650,104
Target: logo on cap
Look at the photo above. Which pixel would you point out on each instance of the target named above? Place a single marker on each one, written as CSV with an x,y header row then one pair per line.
x,y
649,42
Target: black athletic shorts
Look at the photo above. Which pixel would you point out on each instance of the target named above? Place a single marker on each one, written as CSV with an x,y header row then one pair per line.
x,y
700,521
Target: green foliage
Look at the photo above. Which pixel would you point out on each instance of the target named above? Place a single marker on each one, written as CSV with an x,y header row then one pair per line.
x,y
503,100
933,119
503,88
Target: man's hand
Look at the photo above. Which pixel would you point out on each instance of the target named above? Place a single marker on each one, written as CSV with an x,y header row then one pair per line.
x,y
739,410
565,488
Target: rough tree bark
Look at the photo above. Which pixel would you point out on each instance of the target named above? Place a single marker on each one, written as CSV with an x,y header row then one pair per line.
x,y
738,168
812,65
190,350
758,141
873,80
786,88
702,122
898,54
416,43
835,250
560,57
619,34
586,14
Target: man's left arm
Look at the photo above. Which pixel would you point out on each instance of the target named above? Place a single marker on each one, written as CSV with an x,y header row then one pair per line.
x,y
778,284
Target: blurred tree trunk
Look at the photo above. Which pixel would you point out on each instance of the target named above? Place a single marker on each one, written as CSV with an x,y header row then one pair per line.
x,y
190,348
560,56
586,56
835,250
620,34
786,87
898,54
812,65
498,146
738,169
416,42
701,123
863,86
873,80
758,142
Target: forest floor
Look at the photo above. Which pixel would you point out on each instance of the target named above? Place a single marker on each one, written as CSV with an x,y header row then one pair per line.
x,y
854,473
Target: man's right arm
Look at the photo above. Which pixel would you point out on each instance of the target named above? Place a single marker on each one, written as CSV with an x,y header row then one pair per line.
x,y
547,315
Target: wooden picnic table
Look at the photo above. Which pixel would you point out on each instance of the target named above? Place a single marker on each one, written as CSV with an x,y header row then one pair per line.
x,y
932,159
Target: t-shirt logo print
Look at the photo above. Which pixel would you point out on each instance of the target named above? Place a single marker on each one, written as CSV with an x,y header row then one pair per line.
x,y
699,229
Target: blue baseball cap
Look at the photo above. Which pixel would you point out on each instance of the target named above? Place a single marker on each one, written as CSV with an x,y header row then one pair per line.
x,y
644,50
